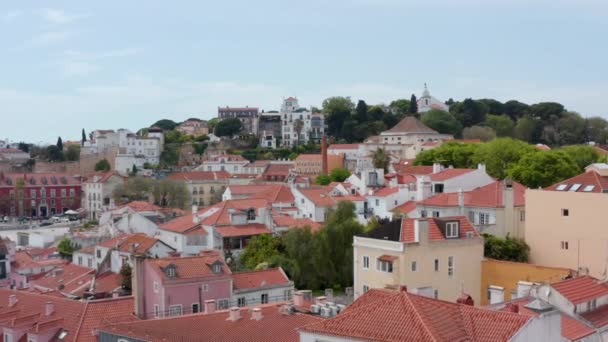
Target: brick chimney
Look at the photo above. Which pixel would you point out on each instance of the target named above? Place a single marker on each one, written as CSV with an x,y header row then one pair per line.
x,y
324,162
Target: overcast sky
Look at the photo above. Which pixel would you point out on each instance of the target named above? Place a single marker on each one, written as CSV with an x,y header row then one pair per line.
x,y
126,64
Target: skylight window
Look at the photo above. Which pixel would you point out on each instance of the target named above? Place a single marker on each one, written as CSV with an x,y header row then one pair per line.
x,y
589,188
575,187
561,187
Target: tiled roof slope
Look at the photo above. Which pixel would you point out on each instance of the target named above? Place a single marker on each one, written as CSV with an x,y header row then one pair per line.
x,y
489,196
581,289
200,175
274,326
410,124
434,232
181,224
585,179
255,279
189,267
270,192
401,316
448,173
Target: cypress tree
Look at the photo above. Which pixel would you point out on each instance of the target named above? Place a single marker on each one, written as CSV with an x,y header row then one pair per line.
x,y
413,105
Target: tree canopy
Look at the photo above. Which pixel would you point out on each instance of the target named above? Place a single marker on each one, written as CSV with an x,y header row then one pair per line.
x,y
103,165
228,127
165,124
339,174
543,168
508,248
442,122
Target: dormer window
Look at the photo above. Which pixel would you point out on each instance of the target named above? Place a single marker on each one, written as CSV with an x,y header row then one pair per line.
x,y
170,271
217,268
451,230
251,214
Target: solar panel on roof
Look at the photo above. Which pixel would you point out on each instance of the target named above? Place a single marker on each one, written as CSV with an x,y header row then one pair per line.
x,y
589,188
561,187
575,187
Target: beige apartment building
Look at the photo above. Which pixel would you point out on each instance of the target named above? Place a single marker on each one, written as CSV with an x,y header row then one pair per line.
x,y
566,223
433,257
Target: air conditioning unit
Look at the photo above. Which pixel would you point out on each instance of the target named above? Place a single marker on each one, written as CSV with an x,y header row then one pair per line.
x,y
315,309
334,310
341,307
326,312
329,304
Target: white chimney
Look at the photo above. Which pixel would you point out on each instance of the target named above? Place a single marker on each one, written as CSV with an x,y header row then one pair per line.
x,y
460,201
49,308
298,299
209,306
234,314
481,167
256,314
524,289
12,300
423,188
194,209
416,230
437,168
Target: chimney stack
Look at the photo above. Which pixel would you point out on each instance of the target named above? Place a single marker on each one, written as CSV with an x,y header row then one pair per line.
x,y
256,314
12,300
234,314
209,306
138,287
460,201
49,308
437,168
324,155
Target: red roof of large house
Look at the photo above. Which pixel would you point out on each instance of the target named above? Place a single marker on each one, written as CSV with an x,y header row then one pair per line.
x,y
200,175
182,225
434,232
126,242
413,169
448,173
597,317
406,207
410,124
39,179
581,289
274,326
489,196
386,191
278,170
260,278
99,177
589,181
63,276
189,267
343,147
273,193
401,316
139,206
219,214
243,230
78,319
321,196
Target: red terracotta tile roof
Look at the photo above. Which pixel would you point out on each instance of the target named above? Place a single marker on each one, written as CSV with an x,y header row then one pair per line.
x,y
40,179
125,242
304,156
261,278
182,225
79,319
200,176
407,179
449,173
407,317
434,232
405,208
413,169
581,289
278,170
63,276
274,326
107,282
218,214
590,181
343,147
489,196
273,193
292,222
189,267
99,177
410,124
242,230
386,191
228,158
386,257
597,317
139,206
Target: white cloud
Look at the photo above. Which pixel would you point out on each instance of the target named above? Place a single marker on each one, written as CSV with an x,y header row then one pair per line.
x,y
58,16
79,68
10,16
50,37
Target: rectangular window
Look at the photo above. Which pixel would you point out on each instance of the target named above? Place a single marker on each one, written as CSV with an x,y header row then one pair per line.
x,y
72,193
156,287
365,288
472,216
33,193
156,310
366,262
414,266
522,216
205,287
565,212
63,192
422,213
436,294
450,266
98,254
222,304
53,193
175,310
264,298
451,230
90,263
287,294
564,244
484,218
377,202
195,308
435,214
79,260
436,266
241,301
384,266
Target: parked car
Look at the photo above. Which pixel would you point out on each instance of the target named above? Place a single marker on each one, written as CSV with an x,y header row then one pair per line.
x,y
4,219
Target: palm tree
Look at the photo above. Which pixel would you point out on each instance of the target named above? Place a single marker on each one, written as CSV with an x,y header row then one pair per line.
x,y
298,125
381,159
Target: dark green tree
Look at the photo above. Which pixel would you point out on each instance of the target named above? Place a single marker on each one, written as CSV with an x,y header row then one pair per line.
x,y
546,110
451,153
54,153
84,138
65,248
103,165
528,129
323,179
59,144
494,106
583,155
543,168
501,124
165,124
228,127
261,248
24,147
482,133
442,122
515,109
413,109
339,174
381,159
508,248
469,112
402,105
125,276
361,111
499,155
72,153
337,109
597,130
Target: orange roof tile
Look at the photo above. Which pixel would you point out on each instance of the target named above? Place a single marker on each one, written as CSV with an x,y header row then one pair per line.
x,y
581,289
410,124
274,193
383,192
63,276
449,173
243,230
406,207
182,224
274,326
218,214
590,181
260,278
189,267
140,206
434,232
125,242
489,196
401,316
